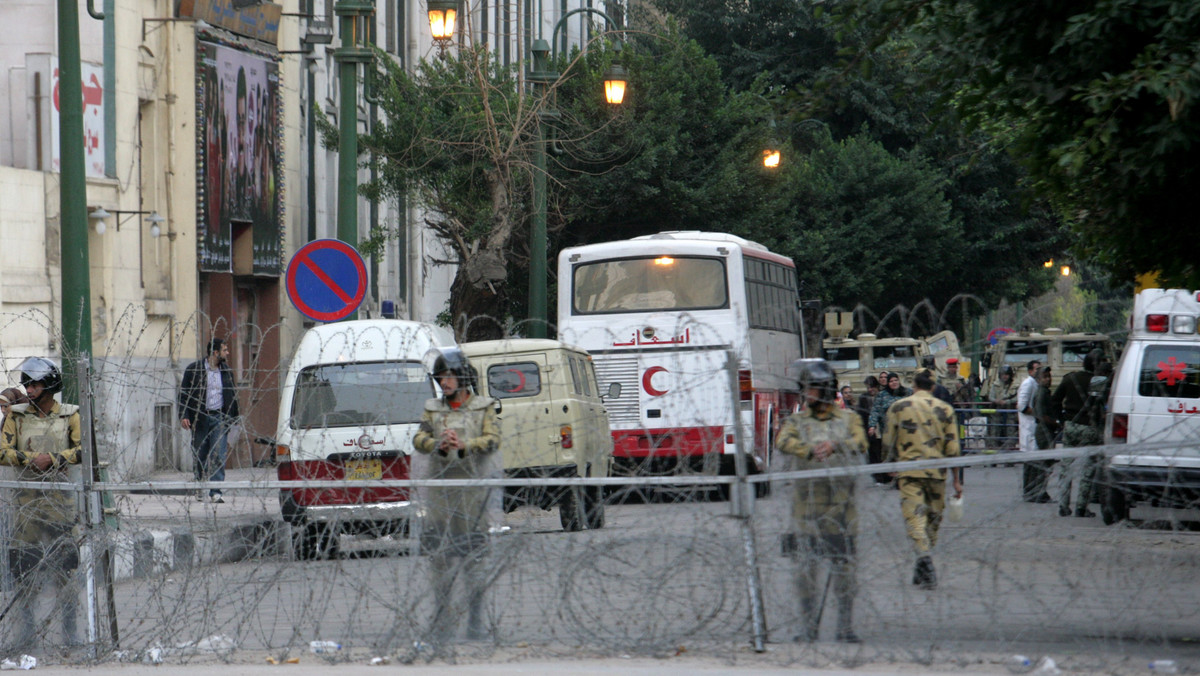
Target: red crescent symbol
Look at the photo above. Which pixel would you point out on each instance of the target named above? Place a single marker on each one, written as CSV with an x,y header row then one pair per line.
x,y
648,376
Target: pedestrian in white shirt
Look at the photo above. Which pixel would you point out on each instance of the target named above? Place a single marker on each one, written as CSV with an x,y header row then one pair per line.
x,y
1035,474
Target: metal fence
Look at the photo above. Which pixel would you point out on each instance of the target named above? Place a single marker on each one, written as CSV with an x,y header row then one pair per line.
x,y
679,569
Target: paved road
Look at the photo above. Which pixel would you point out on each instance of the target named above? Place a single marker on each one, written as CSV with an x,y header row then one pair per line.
x,y
669,580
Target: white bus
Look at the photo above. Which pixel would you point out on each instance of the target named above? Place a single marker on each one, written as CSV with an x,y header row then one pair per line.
x,y
659,314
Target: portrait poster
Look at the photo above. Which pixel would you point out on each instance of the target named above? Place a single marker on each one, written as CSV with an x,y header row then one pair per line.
x,y
240,181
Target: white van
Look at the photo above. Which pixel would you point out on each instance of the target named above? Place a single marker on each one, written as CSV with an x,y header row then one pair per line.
x,y
1155,400
351,403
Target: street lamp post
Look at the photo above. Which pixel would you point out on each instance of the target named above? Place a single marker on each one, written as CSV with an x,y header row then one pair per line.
x,y
354,15
442,14
542,75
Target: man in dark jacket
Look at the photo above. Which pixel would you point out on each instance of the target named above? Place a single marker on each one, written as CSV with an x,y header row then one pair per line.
x,y
208,406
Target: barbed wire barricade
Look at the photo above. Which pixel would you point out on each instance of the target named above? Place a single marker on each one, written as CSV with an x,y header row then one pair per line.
x,y
690,564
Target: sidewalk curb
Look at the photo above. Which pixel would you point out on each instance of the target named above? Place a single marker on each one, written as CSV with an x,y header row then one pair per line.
x,y
146,552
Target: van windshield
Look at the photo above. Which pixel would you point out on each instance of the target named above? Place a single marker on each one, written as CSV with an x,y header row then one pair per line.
x,y
895,356
842,358
1025,351
1074,351
1170,371
360,393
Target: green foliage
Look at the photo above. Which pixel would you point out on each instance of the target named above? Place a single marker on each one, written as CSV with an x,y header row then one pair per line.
x,y
795,48
1100,99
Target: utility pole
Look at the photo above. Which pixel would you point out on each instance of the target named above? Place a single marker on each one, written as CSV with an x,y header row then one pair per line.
x,y
76,319
354,15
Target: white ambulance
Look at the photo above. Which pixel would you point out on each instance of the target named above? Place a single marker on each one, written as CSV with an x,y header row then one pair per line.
x,y
1154,408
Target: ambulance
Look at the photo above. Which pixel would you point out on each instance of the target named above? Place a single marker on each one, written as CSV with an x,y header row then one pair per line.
x,y
1154,408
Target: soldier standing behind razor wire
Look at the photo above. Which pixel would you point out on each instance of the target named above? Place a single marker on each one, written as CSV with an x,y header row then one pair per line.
x,y
824,516
460,434
42,439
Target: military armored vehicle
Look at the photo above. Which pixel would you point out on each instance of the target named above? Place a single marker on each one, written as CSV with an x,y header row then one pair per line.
x,y
1062,352
853,359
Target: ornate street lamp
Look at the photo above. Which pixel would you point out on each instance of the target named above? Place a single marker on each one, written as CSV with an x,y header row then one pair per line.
x,y
442,16
615,79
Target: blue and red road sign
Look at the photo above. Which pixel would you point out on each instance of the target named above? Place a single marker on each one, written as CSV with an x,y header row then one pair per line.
x,y
326,280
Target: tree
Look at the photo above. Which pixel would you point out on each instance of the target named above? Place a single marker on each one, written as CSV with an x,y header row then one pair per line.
x,y
1097,99
791,47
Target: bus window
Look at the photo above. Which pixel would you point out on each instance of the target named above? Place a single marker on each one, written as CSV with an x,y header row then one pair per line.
x,y
650,284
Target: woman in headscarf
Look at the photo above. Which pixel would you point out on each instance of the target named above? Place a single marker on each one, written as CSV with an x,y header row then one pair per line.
x,y
891,392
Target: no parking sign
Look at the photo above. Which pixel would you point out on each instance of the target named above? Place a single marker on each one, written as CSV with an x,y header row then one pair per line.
x,y
326,280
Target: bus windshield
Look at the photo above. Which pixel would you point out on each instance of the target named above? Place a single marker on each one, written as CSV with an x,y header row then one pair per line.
x,y
650,284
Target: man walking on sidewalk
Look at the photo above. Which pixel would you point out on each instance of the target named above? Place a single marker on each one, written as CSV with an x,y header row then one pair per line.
x,y
207,407
921,427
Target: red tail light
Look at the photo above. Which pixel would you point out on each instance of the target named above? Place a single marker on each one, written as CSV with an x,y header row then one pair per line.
x,y
1157,323
745,388
565,434
1120,426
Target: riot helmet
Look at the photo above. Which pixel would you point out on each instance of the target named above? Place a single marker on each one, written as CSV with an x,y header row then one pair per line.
x,y
816,374
41,370
439,360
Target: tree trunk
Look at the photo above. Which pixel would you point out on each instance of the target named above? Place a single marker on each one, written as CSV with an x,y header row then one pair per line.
x,y
475,309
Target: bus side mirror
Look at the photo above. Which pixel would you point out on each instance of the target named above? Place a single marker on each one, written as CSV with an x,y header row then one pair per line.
x,y
986,360
614,391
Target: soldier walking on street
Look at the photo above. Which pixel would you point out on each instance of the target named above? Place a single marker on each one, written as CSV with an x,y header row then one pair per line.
x,y
1072,398
42,439
921,427
824,515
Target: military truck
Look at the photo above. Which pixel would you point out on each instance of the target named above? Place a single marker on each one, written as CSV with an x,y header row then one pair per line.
x,y
1062,352
853,359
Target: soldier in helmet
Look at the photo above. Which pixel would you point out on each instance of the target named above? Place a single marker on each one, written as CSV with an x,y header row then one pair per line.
x,y
824,515
42,440
461,437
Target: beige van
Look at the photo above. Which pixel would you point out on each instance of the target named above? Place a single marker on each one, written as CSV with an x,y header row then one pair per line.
x,y
552,422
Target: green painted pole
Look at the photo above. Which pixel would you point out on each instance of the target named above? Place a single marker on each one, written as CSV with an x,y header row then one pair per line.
x,y
73,235
537,241
348,56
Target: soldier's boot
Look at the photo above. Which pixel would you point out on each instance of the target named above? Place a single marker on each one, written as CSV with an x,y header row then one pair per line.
x,y
845,630
808,621
924,575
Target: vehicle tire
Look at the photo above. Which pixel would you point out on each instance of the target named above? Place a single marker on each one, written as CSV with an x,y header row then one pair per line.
x,y
315,541
593,506
570,510
1113,506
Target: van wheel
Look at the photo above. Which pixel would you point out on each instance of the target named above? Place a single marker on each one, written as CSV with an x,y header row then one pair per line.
x,y
1113,507
315,541
593,506
570,510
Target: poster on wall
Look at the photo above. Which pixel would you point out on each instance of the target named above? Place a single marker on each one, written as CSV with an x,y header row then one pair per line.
x,y
239,149
92,75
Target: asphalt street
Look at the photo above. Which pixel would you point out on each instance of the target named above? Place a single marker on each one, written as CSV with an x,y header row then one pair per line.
x,y
669,580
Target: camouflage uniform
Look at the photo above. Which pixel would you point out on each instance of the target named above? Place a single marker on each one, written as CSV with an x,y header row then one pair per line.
x,y
1079,429
1003,395
456,518
45,523
824,516
921,427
